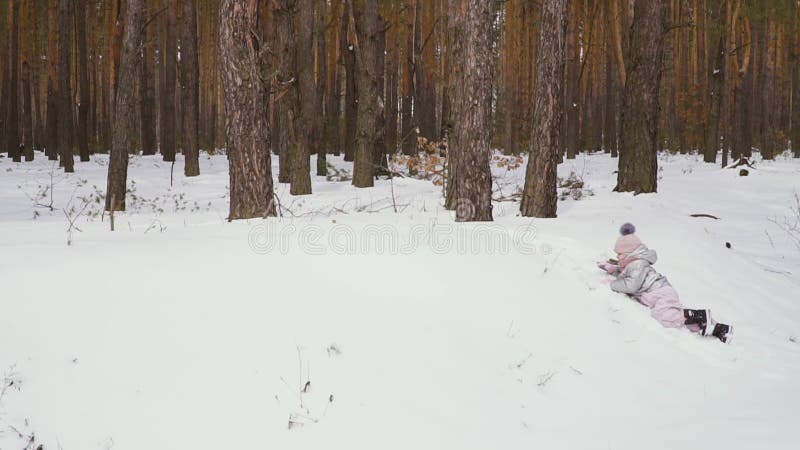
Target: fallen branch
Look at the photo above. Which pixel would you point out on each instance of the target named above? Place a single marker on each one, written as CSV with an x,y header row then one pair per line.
x,y
741,162
709,216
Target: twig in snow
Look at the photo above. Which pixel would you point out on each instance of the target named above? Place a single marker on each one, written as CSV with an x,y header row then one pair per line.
x,y
709,216
522,363
544,379
547,265
771,242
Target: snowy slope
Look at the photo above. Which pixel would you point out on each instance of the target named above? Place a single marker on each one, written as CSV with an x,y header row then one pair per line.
x,y
181,330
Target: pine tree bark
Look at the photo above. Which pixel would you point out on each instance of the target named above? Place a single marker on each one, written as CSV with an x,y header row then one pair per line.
x,y
472,115
51,144
638,164
83,83
539,198
795,120
321,124
168,94
124,129
454,70
12,105
770,92
245,102
306,92
27,111
190,78
147,110
351,94
286,77
716,79
366,15
333,112
408,133
610,113
65,120
572,71
392,58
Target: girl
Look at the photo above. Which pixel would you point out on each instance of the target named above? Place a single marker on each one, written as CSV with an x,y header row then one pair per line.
x,y
636,277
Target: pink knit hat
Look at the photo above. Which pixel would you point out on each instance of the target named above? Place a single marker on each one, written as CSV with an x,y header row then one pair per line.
x,y
628,242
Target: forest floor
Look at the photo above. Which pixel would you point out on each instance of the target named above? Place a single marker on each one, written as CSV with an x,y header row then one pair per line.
x,y
368,319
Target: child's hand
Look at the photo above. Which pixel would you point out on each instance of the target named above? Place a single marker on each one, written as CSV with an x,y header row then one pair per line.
x,y
608,267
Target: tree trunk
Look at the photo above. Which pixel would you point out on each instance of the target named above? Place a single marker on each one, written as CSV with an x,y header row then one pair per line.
x,y
125,107
190,78
572,70
366,13
321,123
473,117
539,198
12,105
351,96
286,77
147,110
795,128
27,111
408,134
455,73
610,112
245,103
380,166
770,91
392,58
65,124
306,92
715,84
333,110
638,164
168,93
83,80
51,143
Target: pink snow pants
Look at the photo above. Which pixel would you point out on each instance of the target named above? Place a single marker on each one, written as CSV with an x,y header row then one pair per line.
x,y
666,307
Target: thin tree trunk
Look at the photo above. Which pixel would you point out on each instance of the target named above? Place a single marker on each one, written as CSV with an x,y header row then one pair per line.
x,y
351,96
572,70
83,83
455,73
168,94
366,13
51,143
716,93
148,138
408,134
190,78
306,92
12,105
539,198
286,77
125,106
65,124
245,104
321,124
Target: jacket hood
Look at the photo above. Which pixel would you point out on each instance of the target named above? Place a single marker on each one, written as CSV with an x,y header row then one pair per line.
x,y
645,254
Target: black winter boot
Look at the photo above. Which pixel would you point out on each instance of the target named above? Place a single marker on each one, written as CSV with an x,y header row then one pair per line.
x,y
723,332
697,317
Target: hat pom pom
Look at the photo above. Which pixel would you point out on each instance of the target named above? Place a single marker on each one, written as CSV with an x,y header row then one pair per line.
x,y
627,228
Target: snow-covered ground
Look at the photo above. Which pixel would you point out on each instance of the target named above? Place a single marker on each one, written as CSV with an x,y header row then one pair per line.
x,y
347,325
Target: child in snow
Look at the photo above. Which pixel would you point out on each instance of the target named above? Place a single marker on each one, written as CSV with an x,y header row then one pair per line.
x,y
636,277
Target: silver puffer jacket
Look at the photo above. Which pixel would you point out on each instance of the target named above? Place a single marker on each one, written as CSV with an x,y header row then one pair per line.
x,y
639,276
